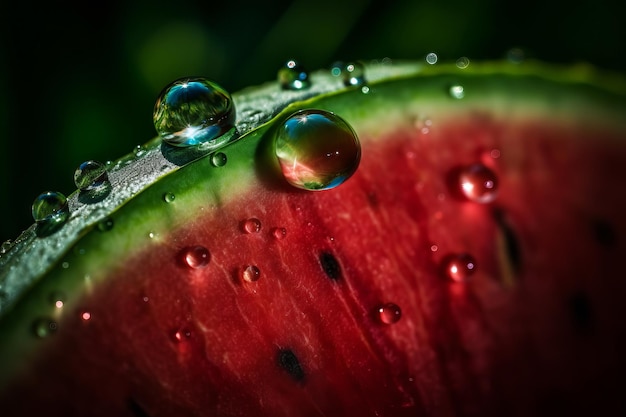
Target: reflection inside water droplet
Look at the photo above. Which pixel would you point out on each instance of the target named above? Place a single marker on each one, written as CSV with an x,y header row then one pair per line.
x,y
195,111
353,74
317,150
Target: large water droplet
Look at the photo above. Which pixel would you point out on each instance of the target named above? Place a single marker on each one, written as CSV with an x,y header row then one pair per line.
x,y
353,74
478,183
317,150
194,111
458,267
196,256
293,76
251,225
251,273
389,313
219,159
50,211
45,327
91,176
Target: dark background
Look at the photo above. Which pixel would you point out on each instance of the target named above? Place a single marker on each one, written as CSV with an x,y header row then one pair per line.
x,y
79,82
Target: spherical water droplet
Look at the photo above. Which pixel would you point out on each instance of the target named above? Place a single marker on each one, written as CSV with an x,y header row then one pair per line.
x,y
194,111
169,197
251,273
57,299
139,151
196,256
6,246
434,248
181,335
478,183
251,225
389,313
219,159
105,225
85,316
90,175
279,233
317,150
462,62
353,74
458,267
50,211
45,327
457,91
293,76
431,58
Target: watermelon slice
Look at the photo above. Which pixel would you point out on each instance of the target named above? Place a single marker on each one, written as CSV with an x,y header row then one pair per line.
x,y
469,265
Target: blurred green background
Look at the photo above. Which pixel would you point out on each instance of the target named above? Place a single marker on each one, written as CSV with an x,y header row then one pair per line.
x,y
80,82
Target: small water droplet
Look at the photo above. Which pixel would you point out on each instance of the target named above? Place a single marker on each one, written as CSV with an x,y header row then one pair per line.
x,y
181,335
478,183
389,313
251,273
50,211
365,89
57,299
45,327
6,246
91,176
85,316
458,267
434,248
279,233
65,265
317,150
293,76
457,91
251,225
431,58
151,235
196,256
336,68
193,111
169,197
495,153
219,159
353,74
463,62
105,225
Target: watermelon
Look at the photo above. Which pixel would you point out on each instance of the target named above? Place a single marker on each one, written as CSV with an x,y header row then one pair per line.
x,y
466,262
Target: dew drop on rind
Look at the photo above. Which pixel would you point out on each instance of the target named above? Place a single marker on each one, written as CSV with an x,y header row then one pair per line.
x,y
169,197
293,76
196,257
478,183
193,111
353,74
317,150
389,313
44,327
90,176
50,211
251,225
219,159
458,267
251,273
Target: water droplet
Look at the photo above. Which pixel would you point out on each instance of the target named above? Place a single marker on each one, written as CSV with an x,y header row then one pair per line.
x,y
85,316
431,58
45,327
457,91
317,150
279,233
389,313
196,256
219,159
293,76
181,335
151,235
353,74
57,299
458,267
50,211
478,183
105,225
169,197
90,176
336,68
194,111
434,248
6,246
462,62
365,89
251,273
251,225
516,55
65,265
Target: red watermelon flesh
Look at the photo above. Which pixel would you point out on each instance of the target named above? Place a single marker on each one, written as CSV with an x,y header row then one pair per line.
x,y
536,329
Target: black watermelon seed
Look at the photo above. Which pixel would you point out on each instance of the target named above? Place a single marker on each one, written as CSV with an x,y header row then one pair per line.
x,y
511,243
330,265
288,361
